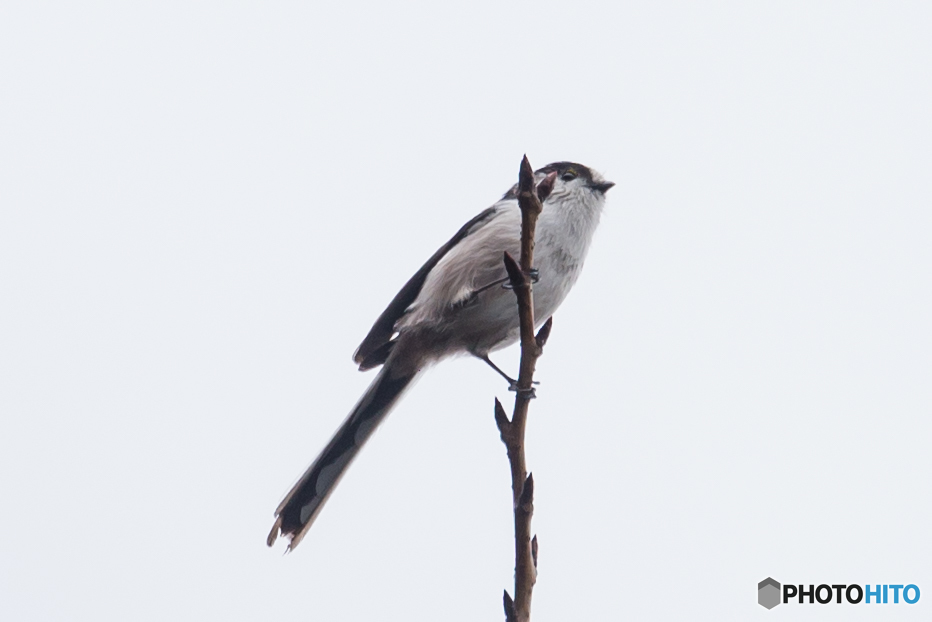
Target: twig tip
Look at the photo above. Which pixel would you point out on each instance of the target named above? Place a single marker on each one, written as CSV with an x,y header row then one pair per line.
x,y
545,187
510,614
544,333
525,176
515,275
526,499
501,419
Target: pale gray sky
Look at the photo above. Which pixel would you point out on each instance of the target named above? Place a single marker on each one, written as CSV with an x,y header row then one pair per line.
x,y
204,206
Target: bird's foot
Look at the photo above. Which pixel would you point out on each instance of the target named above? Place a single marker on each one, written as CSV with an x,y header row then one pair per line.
x,y
525,393
512,383
529,393
533,274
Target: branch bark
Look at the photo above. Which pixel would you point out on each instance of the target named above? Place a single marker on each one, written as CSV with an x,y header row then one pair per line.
x,y
530,197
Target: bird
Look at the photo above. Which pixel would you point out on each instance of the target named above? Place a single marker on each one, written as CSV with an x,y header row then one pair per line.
x,y
457,303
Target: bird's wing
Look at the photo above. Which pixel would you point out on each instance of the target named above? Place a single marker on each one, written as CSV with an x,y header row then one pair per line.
x,y
375,347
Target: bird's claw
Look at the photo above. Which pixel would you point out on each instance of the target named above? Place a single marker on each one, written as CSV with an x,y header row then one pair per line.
x,y
526,393
533,274
530,393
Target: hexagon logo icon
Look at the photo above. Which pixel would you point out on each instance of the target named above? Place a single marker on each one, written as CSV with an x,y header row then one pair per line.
x,y
768,593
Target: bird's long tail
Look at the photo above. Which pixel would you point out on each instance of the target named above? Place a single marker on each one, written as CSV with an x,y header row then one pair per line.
x,y
303,503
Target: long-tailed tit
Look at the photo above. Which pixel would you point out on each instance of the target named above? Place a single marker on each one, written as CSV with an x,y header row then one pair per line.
x,y
455,304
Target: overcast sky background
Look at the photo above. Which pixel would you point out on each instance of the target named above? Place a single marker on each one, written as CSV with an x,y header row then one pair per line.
x,y
204,206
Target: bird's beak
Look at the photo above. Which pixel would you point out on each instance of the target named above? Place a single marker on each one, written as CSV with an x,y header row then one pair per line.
x,y
602,187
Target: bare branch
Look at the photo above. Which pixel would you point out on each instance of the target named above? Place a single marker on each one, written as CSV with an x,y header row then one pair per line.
x,y
512,432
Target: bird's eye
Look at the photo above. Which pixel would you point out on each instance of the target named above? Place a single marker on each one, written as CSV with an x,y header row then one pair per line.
x,y
569,175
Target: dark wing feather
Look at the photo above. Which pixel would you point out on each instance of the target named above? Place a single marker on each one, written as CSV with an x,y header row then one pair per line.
x,y
375,347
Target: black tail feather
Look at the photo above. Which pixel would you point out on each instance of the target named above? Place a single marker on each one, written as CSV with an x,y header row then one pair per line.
x,y
303,503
